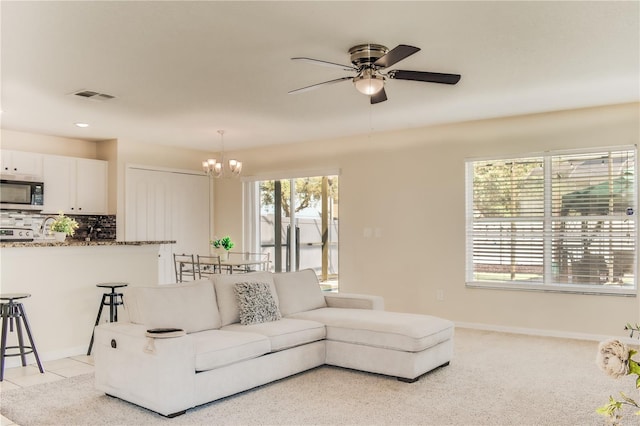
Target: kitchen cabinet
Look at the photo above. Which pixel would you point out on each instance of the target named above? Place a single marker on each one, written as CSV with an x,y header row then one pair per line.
x,y
21,163
74,185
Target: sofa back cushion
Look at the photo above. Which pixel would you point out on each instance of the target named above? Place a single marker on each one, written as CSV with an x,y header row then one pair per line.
x,y
189,306
226,295
298,291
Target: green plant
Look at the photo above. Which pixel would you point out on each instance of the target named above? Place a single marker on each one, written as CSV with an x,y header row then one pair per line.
x,y
224,243
64,224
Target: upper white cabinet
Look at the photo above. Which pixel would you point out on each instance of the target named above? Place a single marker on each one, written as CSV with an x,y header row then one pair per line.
x,y
74,185
21,163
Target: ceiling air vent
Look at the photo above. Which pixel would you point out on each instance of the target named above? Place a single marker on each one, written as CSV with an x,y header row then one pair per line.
x,y
90,94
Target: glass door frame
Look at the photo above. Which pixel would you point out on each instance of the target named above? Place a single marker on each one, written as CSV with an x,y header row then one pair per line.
x,y
252,219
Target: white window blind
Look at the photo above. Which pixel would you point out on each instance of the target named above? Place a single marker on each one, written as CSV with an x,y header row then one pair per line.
x,y
560,221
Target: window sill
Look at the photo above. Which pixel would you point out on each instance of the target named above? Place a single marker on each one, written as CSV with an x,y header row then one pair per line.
x,y
601,290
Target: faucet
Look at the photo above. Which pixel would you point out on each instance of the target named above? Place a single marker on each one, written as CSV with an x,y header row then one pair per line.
x,y
46,226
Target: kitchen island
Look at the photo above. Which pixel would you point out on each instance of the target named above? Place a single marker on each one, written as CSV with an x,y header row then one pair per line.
x,y
61,278
78,243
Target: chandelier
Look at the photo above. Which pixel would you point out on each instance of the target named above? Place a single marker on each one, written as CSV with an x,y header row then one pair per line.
x,y
218,169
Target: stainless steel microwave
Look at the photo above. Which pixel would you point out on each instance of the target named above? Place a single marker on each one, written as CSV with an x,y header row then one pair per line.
x,y
21,193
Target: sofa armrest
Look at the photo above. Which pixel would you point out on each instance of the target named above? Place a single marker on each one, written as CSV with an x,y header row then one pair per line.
x,y
354,301
159,377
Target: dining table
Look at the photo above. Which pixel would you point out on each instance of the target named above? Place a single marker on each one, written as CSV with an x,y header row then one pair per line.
x,y
232,265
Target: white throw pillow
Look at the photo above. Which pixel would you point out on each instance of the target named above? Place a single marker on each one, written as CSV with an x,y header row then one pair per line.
x,y
226,296
189,306
298,292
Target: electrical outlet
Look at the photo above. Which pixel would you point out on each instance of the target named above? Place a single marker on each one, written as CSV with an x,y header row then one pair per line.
x,y
440,294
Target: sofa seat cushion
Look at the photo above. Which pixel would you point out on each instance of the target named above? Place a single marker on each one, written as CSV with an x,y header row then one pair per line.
x,y
285,333
217,348
390,330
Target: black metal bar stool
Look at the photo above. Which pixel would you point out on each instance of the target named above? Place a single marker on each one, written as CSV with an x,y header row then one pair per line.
x,y
14,310
112,300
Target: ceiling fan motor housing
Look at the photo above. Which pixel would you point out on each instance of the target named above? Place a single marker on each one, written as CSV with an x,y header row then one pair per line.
x,y
367,53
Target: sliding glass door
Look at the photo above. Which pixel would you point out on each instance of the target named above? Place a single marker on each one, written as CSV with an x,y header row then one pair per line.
x,y
299,225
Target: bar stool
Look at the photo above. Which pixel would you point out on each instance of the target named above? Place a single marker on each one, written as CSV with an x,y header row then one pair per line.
x,y
11,310
112,300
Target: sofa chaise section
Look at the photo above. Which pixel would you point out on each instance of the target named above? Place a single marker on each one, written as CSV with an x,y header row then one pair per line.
x,y
367,338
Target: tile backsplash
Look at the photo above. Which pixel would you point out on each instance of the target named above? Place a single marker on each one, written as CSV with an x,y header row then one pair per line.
x,y
96,227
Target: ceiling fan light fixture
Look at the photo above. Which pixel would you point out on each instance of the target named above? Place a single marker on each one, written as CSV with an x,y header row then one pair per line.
x,y
369,83
371,63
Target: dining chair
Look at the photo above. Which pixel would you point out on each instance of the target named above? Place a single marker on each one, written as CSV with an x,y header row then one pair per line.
x,y
208,265
185,266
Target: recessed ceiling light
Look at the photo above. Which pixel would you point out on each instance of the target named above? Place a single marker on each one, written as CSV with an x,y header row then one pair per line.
x,y
83,125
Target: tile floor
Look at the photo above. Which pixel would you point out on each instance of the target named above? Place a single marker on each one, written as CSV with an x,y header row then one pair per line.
x,y
19,377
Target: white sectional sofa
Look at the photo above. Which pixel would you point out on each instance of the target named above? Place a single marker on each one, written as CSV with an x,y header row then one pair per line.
x,y
290,326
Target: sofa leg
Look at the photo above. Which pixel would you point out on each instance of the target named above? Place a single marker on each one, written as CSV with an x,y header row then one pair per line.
x,y
172,415
405,380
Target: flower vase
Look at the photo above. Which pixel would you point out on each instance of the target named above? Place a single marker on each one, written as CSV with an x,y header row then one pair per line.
x,y
224,254
60,236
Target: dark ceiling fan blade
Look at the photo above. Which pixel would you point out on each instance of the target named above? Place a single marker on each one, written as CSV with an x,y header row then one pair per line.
x,y
429,77
395,55
325,63
317,85
381,96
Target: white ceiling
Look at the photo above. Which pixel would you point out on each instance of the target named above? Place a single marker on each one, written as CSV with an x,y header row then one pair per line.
x,y
182,70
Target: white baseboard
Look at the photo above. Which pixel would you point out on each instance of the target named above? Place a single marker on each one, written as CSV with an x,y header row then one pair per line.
x,y
548,333
14,361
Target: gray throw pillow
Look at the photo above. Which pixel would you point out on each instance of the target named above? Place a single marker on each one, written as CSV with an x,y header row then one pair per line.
x,y
256,303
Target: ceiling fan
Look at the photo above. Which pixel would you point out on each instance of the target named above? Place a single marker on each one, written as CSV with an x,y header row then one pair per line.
x,y
368,62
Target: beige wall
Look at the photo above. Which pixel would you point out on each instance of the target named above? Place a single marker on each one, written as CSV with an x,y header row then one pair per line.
x,y
45,144
411,186
108,151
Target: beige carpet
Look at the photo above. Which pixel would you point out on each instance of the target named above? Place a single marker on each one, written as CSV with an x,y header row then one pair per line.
x,y
494,379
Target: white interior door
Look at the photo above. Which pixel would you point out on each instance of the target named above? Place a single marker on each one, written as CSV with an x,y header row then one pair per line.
x,y
168,205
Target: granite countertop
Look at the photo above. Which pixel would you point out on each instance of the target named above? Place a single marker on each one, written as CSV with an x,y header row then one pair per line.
x,y
79,243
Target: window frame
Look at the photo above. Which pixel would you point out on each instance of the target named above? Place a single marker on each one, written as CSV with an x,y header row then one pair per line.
x,y
547,284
